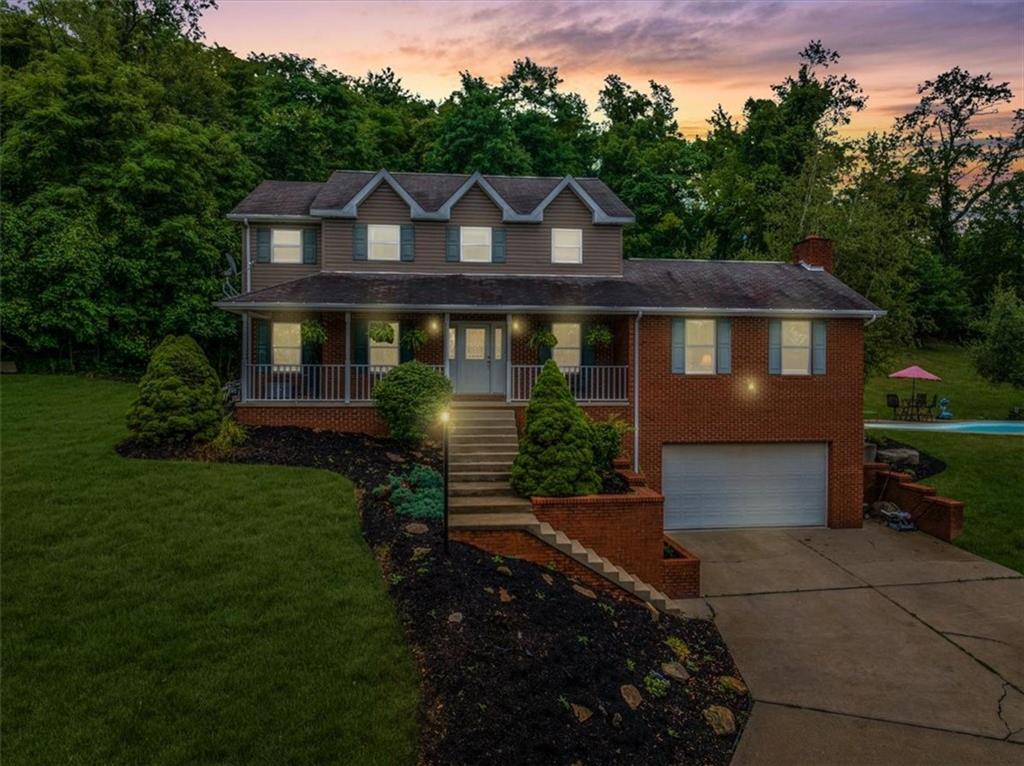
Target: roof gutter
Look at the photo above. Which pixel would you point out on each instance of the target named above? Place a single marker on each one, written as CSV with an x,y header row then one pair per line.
x,y
535,309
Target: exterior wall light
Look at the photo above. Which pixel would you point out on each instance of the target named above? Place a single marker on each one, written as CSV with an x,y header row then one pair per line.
x,y
434,326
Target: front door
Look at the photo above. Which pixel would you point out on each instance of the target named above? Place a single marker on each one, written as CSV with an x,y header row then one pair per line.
x,y
478,361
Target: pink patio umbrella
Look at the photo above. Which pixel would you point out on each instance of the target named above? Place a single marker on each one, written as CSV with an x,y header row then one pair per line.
x,y
915,374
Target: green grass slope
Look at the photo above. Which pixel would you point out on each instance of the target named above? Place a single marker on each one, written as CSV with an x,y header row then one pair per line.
x,y
166,613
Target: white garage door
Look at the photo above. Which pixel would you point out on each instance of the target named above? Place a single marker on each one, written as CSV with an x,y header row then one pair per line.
x,y
744,485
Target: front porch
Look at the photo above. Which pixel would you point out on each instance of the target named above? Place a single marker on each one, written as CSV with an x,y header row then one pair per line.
x,y
487,357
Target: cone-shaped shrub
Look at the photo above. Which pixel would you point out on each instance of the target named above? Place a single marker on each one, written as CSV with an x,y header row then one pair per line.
x,y
179,400
555,457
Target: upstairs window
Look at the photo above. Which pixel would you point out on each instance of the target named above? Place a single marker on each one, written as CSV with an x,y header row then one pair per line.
x,y
286,344
286,246
567,246
700,346
796,347
383,242
568,352
383,354
475,244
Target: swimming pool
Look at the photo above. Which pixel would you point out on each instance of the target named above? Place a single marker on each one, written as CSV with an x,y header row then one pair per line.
x,y
995,427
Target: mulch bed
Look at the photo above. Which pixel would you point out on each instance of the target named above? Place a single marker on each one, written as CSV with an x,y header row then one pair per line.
x,y
518,667
928,465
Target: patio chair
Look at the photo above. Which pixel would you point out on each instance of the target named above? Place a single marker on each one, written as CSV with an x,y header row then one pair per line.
x,y
930,407
918,405
892,401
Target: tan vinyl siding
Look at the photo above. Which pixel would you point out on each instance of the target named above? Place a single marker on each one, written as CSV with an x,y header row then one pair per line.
x,y
528,247
270,274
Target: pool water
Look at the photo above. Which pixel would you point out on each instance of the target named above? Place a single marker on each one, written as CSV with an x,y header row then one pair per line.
x,y
1001,427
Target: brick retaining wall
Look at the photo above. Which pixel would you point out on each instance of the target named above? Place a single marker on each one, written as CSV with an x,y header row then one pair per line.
x,y
941,517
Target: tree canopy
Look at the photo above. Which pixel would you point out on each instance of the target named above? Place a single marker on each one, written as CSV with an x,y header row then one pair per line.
x,y
127,139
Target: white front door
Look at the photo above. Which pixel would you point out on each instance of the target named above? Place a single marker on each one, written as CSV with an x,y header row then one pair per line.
x,y
477,358
744,485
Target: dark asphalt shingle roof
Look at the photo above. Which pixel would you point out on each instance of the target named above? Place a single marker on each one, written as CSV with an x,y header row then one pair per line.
x,y
645,284
279,198
430,191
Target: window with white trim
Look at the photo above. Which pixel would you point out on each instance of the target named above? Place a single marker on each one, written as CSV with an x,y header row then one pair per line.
x,y
286,344
475,244
286,245
383,242
383,354
567,245
568,352
796,347
700,346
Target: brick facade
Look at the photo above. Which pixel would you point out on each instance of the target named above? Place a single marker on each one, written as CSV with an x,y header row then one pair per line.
x,y
941,517
749,405
681,577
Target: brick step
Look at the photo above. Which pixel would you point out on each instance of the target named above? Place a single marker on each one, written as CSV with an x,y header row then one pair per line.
x,y
479,489
496,504
490,453
458,439
478,416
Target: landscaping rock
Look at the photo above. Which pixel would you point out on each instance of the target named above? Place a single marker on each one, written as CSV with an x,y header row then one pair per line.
x,y
505,571
899,456
394,457
675,671
548,578
733,684
631,695
455,617
419,553
617,720
504,596
587,592
721,720
416,528
582,713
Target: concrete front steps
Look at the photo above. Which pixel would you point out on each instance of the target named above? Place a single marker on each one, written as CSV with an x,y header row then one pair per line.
x,y
482,445
573,549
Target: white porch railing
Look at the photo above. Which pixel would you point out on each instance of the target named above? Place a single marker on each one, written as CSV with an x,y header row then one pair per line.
x,y
591,383
313,382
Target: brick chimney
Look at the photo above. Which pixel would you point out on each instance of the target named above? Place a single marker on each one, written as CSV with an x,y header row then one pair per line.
x,y
814,251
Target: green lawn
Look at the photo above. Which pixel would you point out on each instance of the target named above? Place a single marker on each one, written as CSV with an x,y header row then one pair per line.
x,y
970,397
987,473
166,613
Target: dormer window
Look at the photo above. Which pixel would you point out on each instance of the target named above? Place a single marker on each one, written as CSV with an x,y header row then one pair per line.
x,y
475,244
286,246
567,246
383,242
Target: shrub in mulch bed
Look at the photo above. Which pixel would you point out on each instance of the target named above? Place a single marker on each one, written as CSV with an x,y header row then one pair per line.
x,y
520,667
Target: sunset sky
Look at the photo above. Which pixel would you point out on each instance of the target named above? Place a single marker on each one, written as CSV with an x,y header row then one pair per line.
x,y
708,53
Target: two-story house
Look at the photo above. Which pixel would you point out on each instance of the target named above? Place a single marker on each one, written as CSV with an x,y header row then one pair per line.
x,y
742,380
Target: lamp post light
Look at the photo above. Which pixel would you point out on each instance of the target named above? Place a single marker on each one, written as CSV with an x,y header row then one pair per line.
x,y
445,417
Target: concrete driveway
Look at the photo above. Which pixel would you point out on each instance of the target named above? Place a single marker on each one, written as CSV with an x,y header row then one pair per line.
x,y
868,646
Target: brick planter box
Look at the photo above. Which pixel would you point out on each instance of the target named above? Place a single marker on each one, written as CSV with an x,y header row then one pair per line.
x,y
626,529
681,575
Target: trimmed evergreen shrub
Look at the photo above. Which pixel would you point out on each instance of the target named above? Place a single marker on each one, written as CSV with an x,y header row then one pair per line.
x,y
410,399
179,399
555,455
606,441
418,494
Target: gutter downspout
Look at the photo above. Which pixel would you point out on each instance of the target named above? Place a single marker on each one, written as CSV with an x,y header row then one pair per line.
x,y
246,321
874,318
636,392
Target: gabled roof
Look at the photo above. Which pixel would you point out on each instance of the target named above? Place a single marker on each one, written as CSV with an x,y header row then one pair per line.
x,y
655,286
431,196
279,199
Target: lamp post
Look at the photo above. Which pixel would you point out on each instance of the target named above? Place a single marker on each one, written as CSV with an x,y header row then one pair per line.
x,y
445,417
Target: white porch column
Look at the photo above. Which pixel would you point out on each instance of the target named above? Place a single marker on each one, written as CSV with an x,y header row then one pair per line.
x,y
444,346
508,357
636,392
246,356
348,356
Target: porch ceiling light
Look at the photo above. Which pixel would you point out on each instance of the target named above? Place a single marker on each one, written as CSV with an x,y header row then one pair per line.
x,y
434,325
515,325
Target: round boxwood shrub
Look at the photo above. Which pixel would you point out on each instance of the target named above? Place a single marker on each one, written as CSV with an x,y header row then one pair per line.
x,y
179,397
606,441
410,398
555,456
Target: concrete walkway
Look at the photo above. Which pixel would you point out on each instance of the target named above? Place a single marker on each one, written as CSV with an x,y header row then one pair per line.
x,y
868,646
